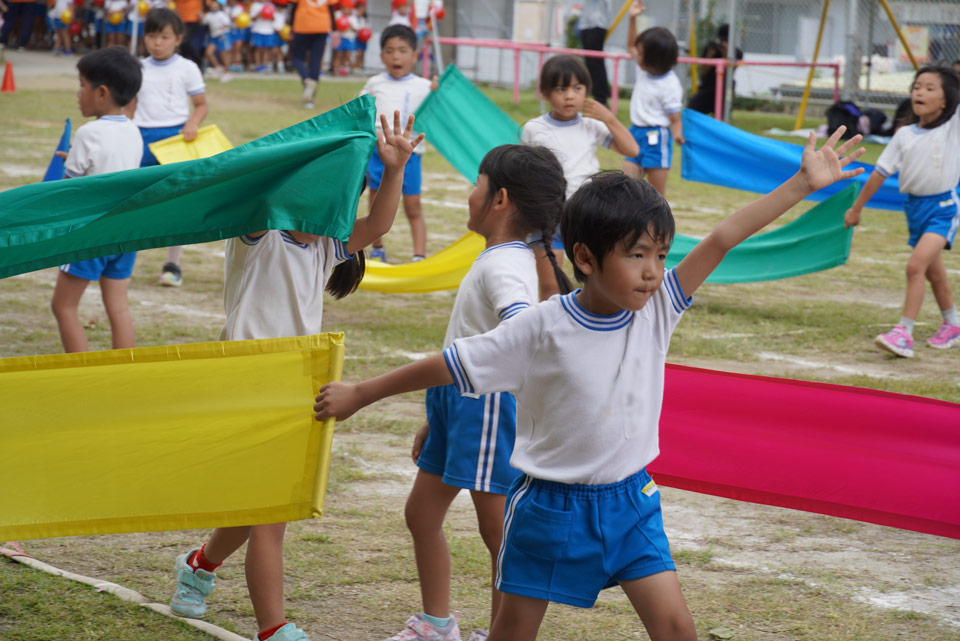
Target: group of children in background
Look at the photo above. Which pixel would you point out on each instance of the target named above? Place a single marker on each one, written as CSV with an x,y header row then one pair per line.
x,y
562,516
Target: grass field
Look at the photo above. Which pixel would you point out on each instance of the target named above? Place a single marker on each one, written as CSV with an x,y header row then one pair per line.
x,y
749,572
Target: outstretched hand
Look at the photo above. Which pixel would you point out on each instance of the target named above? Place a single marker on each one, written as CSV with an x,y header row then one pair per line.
x,y
395,147
337,400
822,167
636,8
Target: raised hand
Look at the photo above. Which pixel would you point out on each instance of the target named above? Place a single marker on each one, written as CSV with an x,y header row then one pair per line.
x,y
636,9
337,400
823,167
395,147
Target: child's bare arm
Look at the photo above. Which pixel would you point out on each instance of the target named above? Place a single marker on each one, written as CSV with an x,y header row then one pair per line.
x,y
394,150
623,141
189,130
341,400
873,184
676,127
818,169
635,10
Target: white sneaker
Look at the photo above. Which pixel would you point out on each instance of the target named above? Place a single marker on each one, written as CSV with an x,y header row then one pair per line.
x,y
226,77
309,89
419,630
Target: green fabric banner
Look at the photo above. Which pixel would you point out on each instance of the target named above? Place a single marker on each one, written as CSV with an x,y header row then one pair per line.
x,y
306,178
815,241
463,124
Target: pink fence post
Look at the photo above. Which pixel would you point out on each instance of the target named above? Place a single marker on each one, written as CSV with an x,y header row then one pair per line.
x,y
516,76
836,83
615,90
718,92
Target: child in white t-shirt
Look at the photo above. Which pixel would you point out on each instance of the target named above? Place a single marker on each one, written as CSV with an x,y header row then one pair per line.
x,y
926,153
587,370
398,88
109,79
171,85
467,441
115,23
574,139
399,13
218,52
61,42
274,284
656,102
263,34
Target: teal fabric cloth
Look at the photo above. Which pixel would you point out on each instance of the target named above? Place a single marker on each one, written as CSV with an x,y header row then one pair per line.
x,y
463,124
815,241
307,178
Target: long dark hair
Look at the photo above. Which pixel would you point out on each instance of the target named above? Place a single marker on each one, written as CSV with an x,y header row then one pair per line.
x,y
346,277
535,184
951,94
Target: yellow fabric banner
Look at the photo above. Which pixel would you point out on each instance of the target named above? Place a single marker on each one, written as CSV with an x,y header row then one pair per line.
x,y
210,141
164,438
443,270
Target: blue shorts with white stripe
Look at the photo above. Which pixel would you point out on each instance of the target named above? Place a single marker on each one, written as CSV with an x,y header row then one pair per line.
x,y
471,439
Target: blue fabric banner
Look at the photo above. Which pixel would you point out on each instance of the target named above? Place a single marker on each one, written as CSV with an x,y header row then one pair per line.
x,y
720,154
56,168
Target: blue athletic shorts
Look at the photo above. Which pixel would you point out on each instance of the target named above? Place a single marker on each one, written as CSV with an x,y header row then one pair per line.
x,y
118,267
139,29
347,44
471,439
109,27
222,43
59,25
239,35
411,174
153,134
565,543
262,40
938,214
656,147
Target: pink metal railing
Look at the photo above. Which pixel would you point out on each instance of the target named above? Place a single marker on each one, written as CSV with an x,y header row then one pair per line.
x,y
541,49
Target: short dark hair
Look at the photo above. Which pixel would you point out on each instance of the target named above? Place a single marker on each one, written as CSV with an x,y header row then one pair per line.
x,y
401,31
533,178
561,70
723,32
114,68
158,19
951,94
613,208
660,50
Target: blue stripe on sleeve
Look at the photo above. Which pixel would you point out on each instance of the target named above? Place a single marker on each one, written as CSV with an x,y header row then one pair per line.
x,y
512,310
460,378
678,299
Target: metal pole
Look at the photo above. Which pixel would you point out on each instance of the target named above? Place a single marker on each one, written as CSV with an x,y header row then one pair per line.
x,y
903,39
851,76
516,76
436,44
732,57
717,104
873,15
816,52
133,38
694,70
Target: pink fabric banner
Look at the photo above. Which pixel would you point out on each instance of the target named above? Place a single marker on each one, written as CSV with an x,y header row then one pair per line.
x,y
856,453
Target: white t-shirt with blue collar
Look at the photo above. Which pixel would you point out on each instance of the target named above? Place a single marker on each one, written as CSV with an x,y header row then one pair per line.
x,y
166,91
397,94
273,285
104,145
501,283
574,143
654,98
928,159
589,388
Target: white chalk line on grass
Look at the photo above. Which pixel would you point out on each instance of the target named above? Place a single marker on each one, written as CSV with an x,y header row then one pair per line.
x,y
122,593
443,203
183,311
842,369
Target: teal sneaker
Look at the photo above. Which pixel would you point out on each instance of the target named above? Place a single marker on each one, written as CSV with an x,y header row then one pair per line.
x,y
289,632
193,587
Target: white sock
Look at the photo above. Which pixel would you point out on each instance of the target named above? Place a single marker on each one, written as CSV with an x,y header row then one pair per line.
x,y
907,324
950,316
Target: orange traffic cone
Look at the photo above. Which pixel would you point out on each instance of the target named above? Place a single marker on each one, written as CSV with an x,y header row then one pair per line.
x,y
8,86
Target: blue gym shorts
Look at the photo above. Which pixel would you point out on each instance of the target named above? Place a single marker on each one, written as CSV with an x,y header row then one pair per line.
x,y
656,147
140,24
470,440
411,174
118,267
222,43
262,40
109,27
153,134
347,44
938,214
565,543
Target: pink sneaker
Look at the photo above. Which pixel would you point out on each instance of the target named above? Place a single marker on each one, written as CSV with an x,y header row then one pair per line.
x,y
946,337
896,341
419,630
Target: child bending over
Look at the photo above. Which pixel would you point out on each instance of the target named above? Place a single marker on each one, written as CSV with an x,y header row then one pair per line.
x,y
587,371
